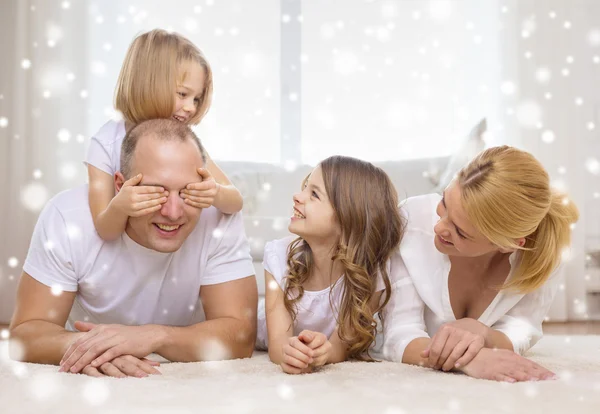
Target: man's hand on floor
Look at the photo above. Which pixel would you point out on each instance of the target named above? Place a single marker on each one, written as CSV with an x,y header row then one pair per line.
x,y
104,343
122,367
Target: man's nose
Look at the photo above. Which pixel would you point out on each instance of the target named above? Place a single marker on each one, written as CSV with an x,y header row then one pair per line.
x,y
173,208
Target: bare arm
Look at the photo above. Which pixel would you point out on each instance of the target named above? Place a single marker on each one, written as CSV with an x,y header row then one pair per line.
x,y
279,321
109,221
38,323
229,199
228,332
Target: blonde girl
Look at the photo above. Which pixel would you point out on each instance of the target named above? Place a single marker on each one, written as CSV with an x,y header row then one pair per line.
x,y
164,75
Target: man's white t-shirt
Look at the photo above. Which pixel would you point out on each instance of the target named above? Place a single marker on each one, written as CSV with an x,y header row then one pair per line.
x,y
104,151
519,316
123,282
316,310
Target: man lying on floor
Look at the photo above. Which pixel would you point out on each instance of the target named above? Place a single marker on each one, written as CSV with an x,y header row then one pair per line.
x,y
139,294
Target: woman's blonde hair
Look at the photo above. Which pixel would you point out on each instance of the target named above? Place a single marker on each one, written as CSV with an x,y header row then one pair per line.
x,y
365,203
150,73
506,194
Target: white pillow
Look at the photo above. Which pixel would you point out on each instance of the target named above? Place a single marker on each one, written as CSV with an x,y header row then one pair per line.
x,y
472,146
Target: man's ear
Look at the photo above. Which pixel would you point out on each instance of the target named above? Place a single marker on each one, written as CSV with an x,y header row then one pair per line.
x,y
119,180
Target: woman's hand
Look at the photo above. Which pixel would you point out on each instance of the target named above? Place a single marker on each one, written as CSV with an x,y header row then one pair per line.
x,y
505,365
455,344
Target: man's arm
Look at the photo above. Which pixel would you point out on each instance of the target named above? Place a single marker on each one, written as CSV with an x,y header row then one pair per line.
x,y
228,332
37,329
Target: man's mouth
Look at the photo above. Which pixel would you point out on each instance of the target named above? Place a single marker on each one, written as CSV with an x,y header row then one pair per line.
x,y
167,228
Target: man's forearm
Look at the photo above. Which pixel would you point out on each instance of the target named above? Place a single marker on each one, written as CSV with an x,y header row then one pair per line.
x,y
40,342
216,339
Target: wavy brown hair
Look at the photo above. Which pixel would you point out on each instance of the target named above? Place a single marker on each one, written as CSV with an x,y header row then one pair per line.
x,y
365,203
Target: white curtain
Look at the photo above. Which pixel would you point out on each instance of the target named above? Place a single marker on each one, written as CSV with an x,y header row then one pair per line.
x,y
60,59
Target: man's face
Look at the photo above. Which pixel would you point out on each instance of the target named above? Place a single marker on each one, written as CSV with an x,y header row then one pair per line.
x,y
171,165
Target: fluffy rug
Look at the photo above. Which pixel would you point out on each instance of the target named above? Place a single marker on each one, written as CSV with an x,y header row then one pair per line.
x,y
257,386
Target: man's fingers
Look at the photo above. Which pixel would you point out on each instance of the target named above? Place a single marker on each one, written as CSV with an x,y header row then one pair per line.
x,y
95,349
112,371
129,368
92,372
143,365
77,349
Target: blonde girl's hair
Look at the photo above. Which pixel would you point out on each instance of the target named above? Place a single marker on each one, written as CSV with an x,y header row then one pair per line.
x,y
365,203
506,194
150,73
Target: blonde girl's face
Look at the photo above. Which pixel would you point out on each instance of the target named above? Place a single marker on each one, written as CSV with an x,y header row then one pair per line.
x,y
189,91
313,217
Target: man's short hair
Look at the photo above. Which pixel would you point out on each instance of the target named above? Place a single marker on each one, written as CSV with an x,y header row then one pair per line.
x,y
161,129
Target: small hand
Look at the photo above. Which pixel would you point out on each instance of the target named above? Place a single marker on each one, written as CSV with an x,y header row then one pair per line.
x,y
138,200
201,194
320,345
296,357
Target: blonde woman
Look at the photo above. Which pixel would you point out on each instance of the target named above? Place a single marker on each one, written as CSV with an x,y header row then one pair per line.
x,y
164,75
482,258
325,285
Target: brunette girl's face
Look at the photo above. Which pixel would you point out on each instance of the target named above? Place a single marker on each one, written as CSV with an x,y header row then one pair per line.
x,y
313,217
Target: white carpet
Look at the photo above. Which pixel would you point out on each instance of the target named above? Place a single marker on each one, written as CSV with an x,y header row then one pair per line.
x,y
257,386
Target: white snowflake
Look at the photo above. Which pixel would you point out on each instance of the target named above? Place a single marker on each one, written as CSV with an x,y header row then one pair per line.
x,y
25,63
95,392
285,391
529,114
63,135
593,166
508,88
543,75
56,290
13,262
3,122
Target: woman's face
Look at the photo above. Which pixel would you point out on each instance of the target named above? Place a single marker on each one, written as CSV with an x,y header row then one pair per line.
x,y
454,233
313,217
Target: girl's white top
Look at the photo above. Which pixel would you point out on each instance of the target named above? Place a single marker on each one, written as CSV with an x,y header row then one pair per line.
x,y
104,151
316,310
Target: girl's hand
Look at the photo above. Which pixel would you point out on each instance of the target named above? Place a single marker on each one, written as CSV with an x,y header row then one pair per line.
x,y
319,344
454,345
296,357
138,200
201,194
